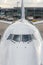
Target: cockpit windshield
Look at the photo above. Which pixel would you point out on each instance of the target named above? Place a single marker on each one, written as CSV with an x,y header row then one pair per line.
x,y
19,38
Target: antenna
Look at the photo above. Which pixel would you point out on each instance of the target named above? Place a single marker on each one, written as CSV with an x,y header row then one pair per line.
x,y
22,9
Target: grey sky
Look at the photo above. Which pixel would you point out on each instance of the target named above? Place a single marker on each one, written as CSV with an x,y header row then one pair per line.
x,y
12,3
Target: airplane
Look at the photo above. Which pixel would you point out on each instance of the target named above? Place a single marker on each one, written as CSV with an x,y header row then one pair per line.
x,y
21,43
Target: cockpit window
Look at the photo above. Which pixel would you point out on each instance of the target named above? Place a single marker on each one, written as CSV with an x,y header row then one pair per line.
x,y
26,38
19,38
10,36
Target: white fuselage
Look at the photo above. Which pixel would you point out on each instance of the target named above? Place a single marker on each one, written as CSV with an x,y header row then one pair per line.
x,y
20,45
20,53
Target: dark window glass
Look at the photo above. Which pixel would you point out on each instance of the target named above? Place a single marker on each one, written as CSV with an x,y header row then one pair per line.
x,y
19,38
25,38
10,36
30,37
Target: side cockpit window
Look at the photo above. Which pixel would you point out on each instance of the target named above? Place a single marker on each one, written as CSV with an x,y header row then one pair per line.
x,y
10,36
21,38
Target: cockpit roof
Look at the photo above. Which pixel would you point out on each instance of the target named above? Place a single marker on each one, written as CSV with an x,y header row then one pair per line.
x,y
19,28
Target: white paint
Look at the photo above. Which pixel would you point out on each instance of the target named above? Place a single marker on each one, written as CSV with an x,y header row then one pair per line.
x,y
15,53
21,53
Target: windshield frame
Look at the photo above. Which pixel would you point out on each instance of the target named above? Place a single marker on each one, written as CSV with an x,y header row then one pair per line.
x,y
20,37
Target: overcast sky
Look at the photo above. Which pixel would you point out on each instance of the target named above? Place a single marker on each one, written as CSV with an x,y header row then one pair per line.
x,y
12,3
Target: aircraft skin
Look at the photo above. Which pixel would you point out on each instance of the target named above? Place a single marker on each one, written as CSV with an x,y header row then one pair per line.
x,y
21,44
19,51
